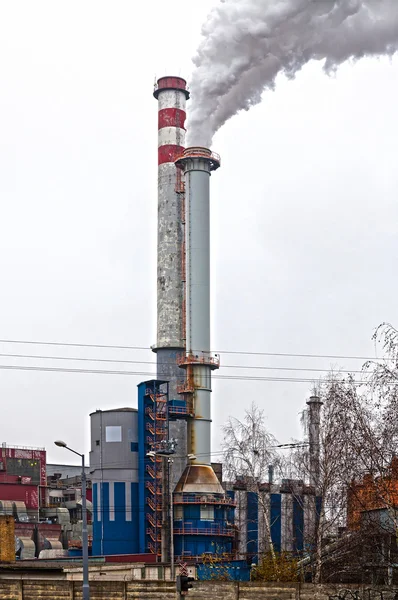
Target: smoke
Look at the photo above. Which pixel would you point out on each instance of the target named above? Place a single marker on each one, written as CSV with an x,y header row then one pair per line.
x,y
247,43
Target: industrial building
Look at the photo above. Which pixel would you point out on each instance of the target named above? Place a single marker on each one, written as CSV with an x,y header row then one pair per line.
x,y
283,513
114,475
23,481
45,507
133,480
154,488
151,467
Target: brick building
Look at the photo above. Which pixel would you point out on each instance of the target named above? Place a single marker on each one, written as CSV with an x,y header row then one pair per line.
x,y
372,494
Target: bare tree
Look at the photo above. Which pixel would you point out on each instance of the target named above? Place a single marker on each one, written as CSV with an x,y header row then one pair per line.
x,y
336,465
358,452
249,449
356,464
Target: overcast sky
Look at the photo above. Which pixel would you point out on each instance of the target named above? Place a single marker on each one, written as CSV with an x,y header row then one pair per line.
x,y
304,215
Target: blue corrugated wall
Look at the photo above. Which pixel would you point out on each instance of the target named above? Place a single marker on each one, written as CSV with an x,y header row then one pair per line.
x,y
298,524
252,523
275,521
120,536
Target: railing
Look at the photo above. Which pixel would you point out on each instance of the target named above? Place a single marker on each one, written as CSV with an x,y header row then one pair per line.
x,y
215,531
15,447
152,548
204,500
204,358
178,410
151,519
155,396
151,488
153,536
156,507
152,473
159,415
200,152
159,430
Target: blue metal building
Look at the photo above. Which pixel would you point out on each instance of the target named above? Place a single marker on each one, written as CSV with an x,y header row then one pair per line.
x,y
114,470
127,484
203,523
203,515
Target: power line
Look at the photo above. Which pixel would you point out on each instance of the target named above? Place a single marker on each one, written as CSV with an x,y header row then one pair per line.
x,y
153,375
218,453
286,445
144,362
240,352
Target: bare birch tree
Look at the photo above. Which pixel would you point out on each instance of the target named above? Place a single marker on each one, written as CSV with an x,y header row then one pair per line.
x,y
358,453
249,449
336,465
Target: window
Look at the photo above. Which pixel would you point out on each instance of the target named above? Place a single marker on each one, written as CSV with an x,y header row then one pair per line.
x,y
97,442
207,513
113,433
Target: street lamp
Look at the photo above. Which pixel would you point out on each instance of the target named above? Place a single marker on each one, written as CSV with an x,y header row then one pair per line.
x,y
86,584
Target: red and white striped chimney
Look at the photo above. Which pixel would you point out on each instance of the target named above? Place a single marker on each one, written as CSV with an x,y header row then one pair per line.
x,y
171,94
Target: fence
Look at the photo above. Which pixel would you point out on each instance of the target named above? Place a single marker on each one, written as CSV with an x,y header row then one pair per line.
x,y
30,588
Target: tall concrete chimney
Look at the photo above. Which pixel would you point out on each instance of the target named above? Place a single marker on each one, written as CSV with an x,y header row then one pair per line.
x,y
171,94
198,163
314,422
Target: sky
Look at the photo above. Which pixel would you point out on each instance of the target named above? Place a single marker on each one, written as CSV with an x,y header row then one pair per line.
x,y
304,217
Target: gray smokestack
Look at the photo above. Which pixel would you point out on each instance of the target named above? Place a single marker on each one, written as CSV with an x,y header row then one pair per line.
x,y
171,94
271,474
198,163
314,423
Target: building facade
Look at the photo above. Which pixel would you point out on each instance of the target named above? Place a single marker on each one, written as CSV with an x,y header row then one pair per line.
x,y
114,468
284,514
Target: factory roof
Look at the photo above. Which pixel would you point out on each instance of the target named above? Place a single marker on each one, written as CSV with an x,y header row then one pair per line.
x,y
125,409
65,471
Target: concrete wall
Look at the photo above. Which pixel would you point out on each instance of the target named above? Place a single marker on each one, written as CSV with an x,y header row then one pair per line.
x,y
29,588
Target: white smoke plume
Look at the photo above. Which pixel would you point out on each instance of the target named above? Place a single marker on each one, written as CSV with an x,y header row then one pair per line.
x,y
247,43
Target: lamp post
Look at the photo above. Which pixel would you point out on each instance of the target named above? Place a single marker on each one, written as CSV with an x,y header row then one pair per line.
x,y
86,584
